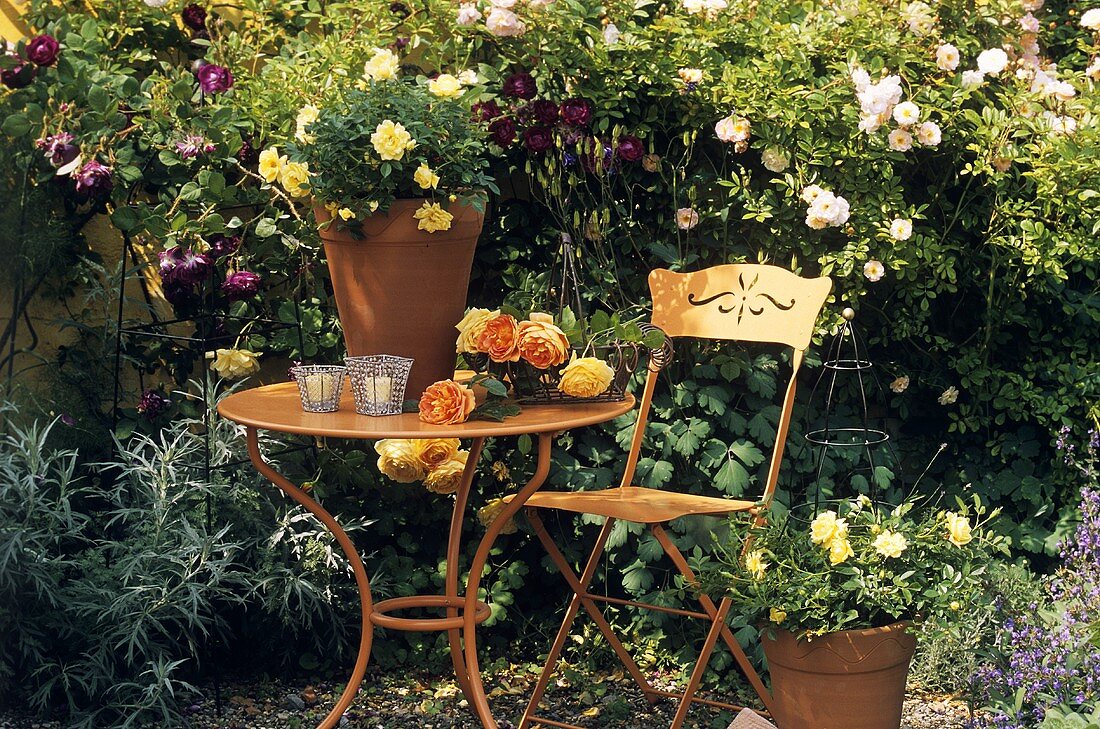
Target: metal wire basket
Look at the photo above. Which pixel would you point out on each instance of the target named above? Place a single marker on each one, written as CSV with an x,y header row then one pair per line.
x,y
378,383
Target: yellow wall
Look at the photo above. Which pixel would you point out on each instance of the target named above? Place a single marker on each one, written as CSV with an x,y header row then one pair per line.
x,y
11,27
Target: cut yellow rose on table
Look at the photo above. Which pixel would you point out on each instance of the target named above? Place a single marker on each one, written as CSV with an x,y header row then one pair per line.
x,y
471,328
445,478
399,460
586,377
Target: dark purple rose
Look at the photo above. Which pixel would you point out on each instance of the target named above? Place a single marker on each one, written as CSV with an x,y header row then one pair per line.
x,y
240,285
538,139
194,17
544,112
183,267
178,294
248,155
17,76
400,42
214,79
43,50
401,10
58,148
152,404
486,111
93,179
223,245
630,148
520,86
193,145
576,112
503,131
68,420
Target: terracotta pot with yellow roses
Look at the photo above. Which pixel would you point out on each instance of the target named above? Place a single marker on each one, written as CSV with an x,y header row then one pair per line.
x,y
397,174
838,589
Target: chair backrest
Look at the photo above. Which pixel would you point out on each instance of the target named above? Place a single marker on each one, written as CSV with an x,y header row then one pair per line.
x,y
738,302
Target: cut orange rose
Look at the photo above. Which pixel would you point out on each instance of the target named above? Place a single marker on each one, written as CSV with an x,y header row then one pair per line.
x,y
541,342
500,338
446,403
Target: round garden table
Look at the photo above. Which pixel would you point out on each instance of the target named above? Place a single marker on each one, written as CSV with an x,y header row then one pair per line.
x,y
278,408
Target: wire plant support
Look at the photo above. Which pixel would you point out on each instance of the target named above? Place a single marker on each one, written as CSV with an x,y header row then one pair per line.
x,y
859,437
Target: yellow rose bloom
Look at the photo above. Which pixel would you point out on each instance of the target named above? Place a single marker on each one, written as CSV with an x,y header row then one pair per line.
x,y
434,452
840,550
471,327
826,527
425,177
445,86
585,377
433,218
271,164
446,477
295,179
958,529
488,514
398,459
391,140
306,116
890,544
777,616
346,213
754,563
382,66
233,364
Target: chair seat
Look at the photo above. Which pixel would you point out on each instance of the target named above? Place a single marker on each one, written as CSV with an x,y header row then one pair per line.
x,y
636,504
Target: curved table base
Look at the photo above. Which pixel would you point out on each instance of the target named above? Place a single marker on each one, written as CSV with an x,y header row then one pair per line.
x,y
476,695
366,607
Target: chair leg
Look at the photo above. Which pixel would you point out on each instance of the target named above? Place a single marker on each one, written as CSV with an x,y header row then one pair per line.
x,y
713,612
579,587
716,626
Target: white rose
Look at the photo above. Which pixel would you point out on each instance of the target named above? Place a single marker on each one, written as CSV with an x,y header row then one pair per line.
x,y
901,229
929,134
972,79
774,160
861,78
947,57
468,14
992,61
907,113
505,23
900,140
874,270
611,34
1091,19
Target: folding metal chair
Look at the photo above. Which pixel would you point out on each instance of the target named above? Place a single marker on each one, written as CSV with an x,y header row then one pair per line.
x,y
738,302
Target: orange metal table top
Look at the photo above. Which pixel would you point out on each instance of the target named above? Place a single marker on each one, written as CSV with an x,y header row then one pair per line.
x,y
278,408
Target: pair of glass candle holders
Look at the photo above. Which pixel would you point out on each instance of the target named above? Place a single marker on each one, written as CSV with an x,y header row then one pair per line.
x,y
377,384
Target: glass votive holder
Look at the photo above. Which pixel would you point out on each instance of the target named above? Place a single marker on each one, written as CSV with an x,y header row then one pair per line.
x,y
320,386
378,383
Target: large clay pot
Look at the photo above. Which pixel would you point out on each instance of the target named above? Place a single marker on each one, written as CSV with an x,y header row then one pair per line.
x,y
400,290
854,679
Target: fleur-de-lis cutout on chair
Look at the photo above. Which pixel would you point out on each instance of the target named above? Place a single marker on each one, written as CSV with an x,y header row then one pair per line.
x,y
748,300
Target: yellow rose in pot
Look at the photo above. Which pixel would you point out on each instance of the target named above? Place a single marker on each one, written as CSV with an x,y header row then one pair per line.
x,y
271,164
391,140
586,377
433,218
295,179
445,86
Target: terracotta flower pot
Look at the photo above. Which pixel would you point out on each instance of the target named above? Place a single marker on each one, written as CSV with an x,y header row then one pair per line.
x,y
853,679
400,290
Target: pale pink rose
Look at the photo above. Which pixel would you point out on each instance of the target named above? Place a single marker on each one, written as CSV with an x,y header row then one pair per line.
x,y
503,22
686,218
468,14
1029,23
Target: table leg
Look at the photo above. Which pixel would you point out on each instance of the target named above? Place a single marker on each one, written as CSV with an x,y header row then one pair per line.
x,y
366,606
476,696
454,567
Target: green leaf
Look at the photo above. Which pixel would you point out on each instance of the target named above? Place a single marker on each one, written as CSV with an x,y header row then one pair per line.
x,y
98,99
732,478
125,219
265,228
16,125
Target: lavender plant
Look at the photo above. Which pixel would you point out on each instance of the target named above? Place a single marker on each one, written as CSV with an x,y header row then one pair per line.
x,y
1046,669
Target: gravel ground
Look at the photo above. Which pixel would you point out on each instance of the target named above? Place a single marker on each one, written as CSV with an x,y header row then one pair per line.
x,y
387,702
